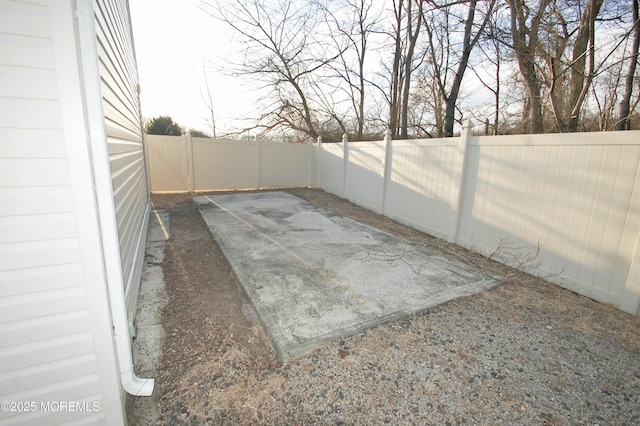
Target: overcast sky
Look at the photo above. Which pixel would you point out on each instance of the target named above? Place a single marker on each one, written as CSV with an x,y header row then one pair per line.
x,y
172,37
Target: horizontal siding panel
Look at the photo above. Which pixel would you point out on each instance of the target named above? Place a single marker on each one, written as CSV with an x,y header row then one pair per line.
x,y
28,83
40,304
129,180
36,2
124,163
127,247
131,213
31,280
72,389
115,48
24,379
44,351
26,51
51,418
35,200
124,118
32,143
117,69
76,389
33,172
24,19
55,325
117,83
113,34
130,199
134,176
15,229
122,139
29,114
38,253
119,91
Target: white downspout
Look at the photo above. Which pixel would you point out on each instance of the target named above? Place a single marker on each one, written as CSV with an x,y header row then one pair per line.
x,y
104,197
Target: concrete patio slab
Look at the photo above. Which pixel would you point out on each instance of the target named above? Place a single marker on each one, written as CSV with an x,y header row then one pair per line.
x,y
315,276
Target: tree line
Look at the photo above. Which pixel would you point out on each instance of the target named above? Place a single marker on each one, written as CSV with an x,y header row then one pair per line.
x,y
164,125
420,67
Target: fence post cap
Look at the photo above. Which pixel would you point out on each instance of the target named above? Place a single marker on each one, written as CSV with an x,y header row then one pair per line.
x,y
345,138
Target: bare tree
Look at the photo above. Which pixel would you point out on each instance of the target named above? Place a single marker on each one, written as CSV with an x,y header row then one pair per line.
x,y
282,53
450,47
396,80
312,61
407,19
352,25
582,66
207,97
493,50
428,110
525,33
569,78
413,30
625,106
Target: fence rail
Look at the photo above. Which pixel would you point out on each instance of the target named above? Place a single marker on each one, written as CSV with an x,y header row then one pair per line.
x,y
573,200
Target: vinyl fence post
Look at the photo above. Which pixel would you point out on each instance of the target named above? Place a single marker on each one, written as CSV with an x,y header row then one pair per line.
x,y
318,153
387,169
258,163
189,149
465,137
345,162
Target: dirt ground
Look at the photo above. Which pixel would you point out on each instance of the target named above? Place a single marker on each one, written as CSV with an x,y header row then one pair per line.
x,y
525,352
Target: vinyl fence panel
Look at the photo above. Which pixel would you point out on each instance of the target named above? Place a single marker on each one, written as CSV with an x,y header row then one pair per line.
x,y
219,165
421,187
571,195
331,168
186,163
365,174
284,165
167,163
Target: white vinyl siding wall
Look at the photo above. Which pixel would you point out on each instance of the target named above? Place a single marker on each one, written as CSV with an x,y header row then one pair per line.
x,y
119,86
49,349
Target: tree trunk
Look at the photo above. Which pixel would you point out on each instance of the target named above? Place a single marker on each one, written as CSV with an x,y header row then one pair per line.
x,y
408,65
625,105
395,72
525,40
580,77
452,99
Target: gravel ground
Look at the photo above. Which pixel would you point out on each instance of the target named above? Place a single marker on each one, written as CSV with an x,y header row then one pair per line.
x,y
524,352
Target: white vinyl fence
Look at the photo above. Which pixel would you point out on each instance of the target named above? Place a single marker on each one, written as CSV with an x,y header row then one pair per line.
x,y
572,201
186,163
